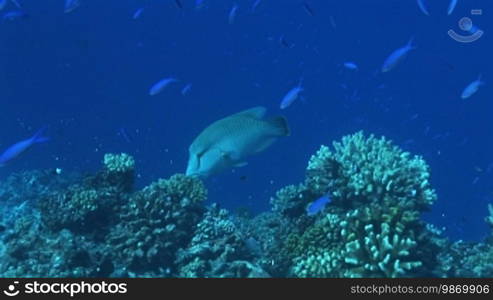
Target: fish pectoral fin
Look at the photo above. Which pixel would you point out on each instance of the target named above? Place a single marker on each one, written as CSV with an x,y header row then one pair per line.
x,y
240,164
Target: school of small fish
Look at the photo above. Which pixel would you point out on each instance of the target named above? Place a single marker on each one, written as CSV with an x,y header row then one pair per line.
x,y
228,142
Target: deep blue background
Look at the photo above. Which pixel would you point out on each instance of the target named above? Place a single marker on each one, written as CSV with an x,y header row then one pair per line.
x,y
86,74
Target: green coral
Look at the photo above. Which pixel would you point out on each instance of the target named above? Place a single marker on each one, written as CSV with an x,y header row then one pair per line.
x,y
119,163
381,252
366,169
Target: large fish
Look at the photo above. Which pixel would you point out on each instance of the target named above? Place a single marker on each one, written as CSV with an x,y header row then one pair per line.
x,y
228,142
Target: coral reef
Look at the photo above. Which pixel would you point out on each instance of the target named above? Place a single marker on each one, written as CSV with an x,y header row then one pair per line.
x,y
469,259
95,227
19,192
154,223
79,208
372,227
364,170
217,249
358,245
31,251
100,225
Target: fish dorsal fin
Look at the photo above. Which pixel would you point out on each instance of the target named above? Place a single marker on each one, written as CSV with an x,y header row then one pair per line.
x,y
257,112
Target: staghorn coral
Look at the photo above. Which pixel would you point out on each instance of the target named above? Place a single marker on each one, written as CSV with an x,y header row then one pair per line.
x,y
364,170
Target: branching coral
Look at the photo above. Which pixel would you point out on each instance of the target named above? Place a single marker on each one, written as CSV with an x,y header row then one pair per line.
x,y
217,250
119,163
364,170
372,226
355,244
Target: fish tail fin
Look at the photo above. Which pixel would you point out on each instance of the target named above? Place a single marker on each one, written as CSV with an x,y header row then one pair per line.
x,y
280,126
38,137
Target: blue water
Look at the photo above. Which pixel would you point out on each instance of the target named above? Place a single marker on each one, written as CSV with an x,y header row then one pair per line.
x,y
86,75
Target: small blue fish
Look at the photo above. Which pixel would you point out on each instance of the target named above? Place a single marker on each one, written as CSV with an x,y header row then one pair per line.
x,y
160,85
397,56
138,13
232,14
14,15
186,89
350,66
472,88
422,7
451,7
318,205
71,5
291,95
18,148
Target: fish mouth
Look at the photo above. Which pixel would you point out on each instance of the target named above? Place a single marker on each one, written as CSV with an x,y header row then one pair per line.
x,y
195,174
